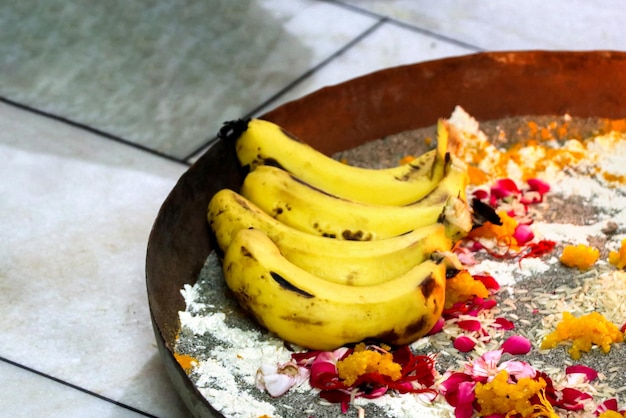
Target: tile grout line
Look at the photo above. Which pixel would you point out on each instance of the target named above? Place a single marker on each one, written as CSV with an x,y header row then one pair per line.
x,y
381,20
93,130
406,25
78,388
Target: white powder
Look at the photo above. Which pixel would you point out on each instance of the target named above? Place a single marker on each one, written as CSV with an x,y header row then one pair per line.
x,y
410,406
229,399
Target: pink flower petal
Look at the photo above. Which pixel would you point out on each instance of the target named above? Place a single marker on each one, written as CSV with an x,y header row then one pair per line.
x,y
590,374
523,234
504,323
464,344
324,370
465,400
518,369
485,366
452,382
516,345
437,327
465,256
470,325
538,186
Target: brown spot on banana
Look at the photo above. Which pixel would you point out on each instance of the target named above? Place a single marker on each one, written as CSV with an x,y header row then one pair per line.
x,y
428,286
241,201
301,320
355,235
416,327
285,284
388,337
246,253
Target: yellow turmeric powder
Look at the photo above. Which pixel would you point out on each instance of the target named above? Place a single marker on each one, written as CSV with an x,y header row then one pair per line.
x,y
580,256
584,332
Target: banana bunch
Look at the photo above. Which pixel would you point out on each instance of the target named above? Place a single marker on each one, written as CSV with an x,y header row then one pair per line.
x,y
324,254
260,142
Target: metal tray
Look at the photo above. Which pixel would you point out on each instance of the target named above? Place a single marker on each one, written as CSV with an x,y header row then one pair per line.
x,y
487,85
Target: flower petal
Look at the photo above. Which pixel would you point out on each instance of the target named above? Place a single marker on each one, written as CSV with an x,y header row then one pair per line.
x,y
480,194
504,188
487,280
538,185
519,369
324,370
470,325
608,405
516,345
504,323
465,400
589,373
452,382
277,384
523,234
464,344
572,399
437,327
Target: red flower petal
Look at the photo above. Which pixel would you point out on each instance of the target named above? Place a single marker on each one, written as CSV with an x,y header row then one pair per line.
x,y
572,398
516,345
324,371
590,373
504,323
470,325
480,194
487,280
504,188
608,405
538,186
464,344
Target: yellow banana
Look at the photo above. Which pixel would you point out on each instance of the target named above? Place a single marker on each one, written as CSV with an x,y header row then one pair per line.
x,y
304,207
314,313
355,263
259,142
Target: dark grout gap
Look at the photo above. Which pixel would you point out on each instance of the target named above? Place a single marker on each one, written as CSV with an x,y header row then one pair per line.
x,y
406,25
381,20
91,129
186,160
78,388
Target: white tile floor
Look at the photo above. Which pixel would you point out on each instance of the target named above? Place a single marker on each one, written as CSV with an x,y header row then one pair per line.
x,y
101,111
